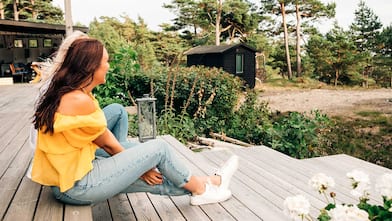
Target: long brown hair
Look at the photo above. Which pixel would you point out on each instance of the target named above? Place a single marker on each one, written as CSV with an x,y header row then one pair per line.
x,y
81,61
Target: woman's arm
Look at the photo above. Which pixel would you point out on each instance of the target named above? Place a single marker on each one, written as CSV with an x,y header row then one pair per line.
x,y
79,103
109,143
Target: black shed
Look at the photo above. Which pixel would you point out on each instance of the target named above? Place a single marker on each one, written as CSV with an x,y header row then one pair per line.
x,y
238,59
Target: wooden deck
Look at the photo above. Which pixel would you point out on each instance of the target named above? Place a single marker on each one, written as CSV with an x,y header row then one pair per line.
x,y
264,179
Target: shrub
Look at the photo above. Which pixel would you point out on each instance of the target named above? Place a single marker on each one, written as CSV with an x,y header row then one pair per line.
x,y
250,122
203,96
116,89
298,135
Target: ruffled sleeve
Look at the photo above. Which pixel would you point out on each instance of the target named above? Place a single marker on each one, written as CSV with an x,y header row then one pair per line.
x,y
66,155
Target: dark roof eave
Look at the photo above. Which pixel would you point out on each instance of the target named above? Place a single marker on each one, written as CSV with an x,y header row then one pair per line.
x,y
20,26
214,49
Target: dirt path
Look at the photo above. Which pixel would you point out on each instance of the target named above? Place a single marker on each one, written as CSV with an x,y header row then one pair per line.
x,y
329,101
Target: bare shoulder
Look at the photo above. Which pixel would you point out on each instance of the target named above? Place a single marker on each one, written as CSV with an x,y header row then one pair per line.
x,y
76,103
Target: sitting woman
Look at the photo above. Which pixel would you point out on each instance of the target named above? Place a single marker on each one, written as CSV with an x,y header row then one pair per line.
x,y
71,127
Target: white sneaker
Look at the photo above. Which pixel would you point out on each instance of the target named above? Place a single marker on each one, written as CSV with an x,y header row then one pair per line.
x,y
212,194
227,170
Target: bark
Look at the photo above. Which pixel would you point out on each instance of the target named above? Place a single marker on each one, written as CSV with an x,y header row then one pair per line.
x,y
34,13
286,41
298,32
16,12
2,16
217,22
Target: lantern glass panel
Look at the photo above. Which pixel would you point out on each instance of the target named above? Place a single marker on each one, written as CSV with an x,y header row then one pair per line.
x,y
146,118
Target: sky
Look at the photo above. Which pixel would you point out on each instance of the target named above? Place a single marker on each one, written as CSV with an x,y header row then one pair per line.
x,y
84,11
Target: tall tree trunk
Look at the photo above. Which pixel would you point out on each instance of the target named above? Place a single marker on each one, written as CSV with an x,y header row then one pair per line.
x,y
390,74
34,13
16,12
336,76
218,21
2,16
286,40
298,30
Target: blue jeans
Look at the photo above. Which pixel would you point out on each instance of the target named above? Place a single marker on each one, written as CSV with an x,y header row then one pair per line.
x,y
121,173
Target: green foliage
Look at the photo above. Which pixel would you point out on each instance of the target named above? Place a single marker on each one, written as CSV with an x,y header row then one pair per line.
x,y
107,32
334,57
133,125
365,28
117,89
368,138
278,59
377,212
169,47
298,135
250,122
206,95
180,126
35,11
197,19
194,101
384,41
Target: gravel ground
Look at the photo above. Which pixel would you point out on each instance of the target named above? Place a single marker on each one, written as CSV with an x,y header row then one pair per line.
x,y
329,101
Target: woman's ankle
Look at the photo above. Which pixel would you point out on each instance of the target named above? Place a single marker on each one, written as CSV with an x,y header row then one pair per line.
x,y
200,190
215,180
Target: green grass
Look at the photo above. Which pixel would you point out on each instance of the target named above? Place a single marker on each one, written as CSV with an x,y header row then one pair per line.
x,y
369,113
301,82
368,137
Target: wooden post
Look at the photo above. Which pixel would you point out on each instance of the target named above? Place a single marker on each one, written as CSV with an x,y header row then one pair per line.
x,y
68,17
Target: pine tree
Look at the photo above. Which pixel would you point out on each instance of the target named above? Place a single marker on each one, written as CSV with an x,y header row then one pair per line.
x,y
365,28
32,10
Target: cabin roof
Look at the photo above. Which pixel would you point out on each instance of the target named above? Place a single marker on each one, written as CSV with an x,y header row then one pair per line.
x,y
34,27
214,49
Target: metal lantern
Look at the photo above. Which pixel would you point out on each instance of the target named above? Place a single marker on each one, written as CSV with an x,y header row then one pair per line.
x,y
146,118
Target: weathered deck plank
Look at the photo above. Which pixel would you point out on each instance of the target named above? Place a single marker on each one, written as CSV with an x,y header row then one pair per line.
x,y
264,179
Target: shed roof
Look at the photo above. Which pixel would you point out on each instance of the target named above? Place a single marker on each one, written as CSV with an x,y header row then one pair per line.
x,y
213,49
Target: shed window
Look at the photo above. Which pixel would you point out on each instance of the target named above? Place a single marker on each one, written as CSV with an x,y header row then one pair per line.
x,y
33,43
18,43
239,63
47,43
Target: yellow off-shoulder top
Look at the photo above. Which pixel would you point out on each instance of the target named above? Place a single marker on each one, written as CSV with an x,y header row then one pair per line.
x,y
66,156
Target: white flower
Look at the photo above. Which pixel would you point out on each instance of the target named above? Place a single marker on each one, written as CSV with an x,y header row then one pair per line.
x,y
361,190
384,186
360,183
321,182
296,207
358,176
348,213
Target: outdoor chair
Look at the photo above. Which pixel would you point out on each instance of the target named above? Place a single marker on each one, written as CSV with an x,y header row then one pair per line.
x,y
17,70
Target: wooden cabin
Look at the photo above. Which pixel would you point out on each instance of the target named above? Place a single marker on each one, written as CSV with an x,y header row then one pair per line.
x,y
238,59
22,43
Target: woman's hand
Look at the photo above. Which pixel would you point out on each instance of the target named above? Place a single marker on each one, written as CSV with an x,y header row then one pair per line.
x,y
152,177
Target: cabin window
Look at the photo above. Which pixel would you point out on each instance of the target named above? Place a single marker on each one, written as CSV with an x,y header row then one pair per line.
x,y
239,63
33,43
47,43
18,43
